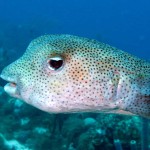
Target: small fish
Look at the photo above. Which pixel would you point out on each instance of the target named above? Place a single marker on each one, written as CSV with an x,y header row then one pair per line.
x,y
65,73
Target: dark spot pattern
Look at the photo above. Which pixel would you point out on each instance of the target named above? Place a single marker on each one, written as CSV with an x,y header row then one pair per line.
x,y
95,77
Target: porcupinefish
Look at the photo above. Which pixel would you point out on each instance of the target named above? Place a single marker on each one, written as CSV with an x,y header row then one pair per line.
x,y
65,73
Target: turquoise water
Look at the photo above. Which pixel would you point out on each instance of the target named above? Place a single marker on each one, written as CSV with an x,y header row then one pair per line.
x,y
123,24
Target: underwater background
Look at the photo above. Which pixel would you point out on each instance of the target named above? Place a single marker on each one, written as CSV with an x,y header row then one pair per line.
x,y
124,24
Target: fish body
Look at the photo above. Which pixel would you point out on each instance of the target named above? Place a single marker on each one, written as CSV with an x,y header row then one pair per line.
x,y
66,73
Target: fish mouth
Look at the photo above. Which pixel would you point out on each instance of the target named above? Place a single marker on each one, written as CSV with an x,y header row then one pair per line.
x,y
11,87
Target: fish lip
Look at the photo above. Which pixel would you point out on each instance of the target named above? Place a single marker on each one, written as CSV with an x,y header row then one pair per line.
x,y
8,79
11,87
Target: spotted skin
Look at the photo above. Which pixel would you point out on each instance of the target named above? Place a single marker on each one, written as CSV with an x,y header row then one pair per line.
x,y
95,77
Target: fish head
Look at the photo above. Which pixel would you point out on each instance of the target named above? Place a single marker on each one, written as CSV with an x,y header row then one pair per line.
x,y
57,73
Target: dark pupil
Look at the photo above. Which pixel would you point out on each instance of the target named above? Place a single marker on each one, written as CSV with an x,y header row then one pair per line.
x,y
56,64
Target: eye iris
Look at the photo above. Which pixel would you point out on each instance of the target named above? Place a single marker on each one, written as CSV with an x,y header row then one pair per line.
x,y
55,64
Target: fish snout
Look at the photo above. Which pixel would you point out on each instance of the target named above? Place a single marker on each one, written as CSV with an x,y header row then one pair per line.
x,y
11,88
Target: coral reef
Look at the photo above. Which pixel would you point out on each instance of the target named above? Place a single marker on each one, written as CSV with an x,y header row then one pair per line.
x,y
31,129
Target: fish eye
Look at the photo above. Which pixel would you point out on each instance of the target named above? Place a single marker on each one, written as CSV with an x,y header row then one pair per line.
x,y
55,63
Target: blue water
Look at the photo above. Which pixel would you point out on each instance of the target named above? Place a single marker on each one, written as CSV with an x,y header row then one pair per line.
x,y
124,24
121,23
